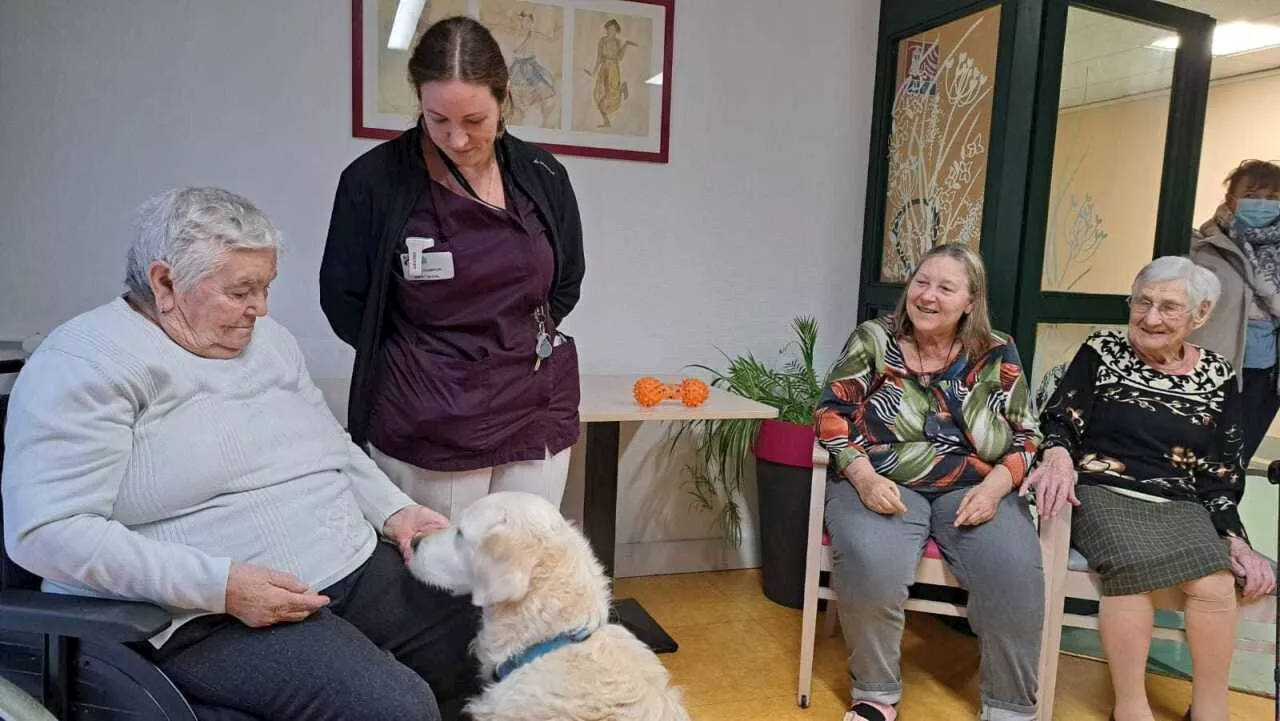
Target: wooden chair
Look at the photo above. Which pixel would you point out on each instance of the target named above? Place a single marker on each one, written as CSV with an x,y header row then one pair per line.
x,y
1077,581
932,570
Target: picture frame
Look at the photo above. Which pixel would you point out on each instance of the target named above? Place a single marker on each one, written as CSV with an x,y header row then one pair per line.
x,y
615,55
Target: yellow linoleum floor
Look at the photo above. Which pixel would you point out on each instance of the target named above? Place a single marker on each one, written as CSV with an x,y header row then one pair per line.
x,y
738,661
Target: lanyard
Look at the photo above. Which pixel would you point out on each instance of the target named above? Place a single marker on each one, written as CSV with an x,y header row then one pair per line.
x,y
457,174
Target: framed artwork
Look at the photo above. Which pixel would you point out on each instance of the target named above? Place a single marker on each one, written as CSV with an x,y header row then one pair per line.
x,y
587,77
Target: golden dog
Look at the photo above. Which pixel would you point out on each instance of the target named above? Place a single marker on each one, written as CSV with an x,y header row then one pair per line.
x,y
545,640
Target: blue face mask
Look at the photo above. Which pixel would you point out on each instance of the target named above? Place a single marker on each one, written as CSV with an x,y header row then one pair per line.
x,y
1257,212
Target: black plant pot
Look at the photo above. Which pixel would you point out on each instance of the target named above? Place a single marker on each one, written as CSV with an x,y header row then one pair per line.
x,y
784,462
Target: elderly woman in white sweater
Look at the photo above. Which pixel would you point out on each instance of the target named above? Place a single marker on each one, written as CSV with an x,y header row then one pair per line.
x,y
169,446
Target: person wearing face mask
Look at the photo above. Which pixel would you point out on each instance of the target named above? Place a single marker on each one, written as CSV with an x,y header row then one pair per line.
x,y
454,253
1241,245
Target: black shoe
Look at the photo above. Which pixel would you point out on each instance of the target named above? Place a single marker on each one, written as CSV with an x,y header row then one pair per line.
x,y
867,711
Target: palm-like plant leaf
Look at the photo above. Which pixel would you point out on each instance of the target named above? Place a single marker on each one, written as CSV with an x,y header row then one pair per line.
x,y
724,447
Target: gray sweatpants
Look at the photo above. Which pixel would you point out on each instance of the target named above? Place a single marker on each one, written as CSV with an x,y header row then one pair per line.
x,y
875,560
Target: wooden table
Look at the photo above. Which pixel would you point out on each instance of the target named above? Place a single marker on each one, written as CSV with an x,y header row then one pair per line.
x,y
606,404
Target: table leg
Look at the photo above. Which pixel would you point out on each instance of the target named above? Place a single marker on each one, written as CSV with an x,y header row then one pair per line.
x,y
600,523
600,490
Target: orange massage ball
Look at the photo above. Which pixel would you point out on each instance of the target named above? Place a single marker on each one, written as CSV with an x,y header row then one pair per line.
x,y
694,392
650,391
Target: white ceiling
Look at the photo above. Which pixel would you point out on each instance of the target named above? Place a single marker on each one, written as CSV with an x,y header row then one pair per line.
x,y
1107,58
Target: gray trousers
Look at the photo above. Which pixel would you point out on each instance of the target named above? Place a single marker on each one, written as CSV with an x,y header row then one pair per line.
x,y
387,648
999,562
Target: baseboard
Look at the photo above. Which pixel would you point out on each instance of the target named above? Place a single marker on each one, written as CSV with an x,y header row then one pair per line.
x,y
658,558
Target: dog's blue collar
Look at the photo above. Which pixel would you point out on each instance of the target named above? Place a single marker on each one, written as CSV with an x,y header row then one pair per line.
x,y
540,649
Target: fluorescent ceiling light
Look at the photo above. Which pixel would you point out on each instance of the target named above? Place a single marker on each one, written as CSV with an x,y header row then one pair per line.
x,y
406,22
1234,38
655,80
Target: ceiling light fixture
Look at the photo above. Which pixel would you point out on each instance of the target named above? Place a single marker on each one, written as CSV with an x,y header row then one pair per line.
x,y
406,22
1235,38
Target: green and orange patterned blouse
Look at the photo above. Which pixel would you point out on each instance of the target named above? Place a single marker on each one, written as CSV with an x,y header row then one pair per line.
x,y
946,434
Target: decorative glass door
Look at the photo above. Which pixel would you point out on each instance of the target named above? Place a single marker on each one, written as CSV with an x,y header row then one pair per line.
x,y
1061,138
950,139
938,139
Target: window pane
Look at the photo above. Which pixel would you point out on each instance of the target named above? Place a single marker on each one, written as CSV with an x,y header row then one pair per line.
x,y
1108,154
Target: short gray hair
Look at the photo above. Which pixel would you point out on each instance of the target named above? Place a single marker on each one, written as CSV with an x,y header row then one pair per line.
x,y
1201,283
191,230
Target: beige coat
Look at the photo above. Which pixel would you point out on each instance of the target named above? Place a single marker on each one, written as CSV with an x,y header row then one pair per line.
x,y
1227,327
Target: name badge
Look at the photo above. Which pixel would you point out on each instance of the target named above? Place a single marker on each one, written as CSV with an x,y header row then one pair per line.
x,y
437,266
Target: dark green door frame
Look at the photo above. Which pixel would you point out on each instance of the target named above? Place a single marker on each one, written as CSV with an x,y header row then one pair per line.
x,y
1007,155
1183,136
1028,77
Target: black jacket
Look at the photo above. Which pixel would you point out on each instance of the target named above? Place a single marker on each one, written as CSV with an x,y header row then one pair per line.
x,y
375,197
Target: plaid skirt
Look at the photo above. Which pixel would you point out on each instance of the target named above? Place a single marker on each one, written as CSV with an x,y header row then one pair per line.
x,y
1138,546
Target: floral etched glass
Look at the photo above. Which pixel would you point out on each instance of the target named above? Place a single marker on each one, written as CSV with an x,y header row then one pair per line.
x,y
938,140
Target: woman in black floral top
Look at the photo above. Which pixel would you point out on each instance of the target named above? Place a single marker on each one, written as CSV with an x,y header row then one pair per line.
x,y
1143,434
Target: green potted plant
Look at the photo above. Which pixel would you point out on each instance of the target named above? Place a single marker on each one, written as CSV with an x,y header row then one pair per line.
x,y
782,450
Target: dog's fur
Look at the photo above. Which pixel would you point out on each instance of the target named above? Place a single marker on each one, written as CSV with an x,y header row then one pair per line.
x,y
535,577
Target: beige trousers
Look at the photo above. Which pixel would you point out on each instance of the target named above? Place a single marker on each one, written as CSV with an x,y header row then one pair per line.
x,y
448,492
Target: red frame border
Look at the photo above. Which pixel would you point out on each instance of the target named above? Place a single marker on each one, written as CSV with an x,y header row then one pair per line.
x,y
359,130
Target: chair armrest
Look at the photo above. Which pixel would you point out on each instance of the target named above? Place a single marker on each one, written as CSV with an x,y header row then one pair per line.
x,y
80,616
820,456
1056,531
1055,551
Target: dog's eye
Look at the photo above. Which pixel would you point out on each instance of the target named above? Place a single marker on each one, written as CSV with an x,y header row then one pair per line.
x,y
457,535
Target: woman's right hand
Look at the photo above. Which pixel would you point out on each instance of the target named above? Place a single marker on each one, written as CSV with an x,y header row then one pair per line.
x,y
1054,481
877,492
261,597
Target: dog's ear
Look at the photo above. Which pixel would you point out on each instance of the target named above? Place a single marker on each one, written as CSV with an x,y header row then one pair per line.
x,y
504,565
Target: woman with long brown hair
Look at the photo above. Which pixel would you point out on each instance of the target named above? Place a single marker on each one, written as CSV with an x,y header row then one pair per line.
x,y
454,252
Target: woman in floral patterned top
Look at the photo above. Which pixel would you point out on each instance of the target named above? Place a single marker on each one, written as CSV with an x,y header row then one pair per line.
x,y
1143,434
930,427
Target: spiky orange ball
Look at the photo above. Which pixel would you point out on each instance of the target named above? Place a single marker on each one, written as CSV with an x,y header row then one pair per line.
x,y
649,391
694,392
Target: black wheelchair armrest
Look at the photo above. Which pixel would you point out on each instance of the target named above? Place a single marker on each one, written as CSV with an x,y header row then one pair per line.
x,y
80,617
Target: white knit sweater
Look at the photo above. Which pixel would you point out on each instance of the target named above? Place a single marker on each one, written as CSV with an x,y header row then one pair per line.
x,y
134,469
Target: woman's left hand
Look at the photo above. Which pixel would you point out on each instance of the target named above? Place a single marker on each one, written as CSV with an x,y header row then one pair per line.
x,y
410,522
1259,577
979,505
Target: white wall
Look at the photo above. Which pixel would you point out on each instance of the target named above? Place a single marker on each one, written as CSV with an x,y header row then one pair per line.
x,y
757,217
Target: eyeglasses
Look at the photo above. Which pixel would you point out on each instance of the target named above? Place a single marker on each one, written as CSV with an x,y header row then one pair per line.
x,y
1168,310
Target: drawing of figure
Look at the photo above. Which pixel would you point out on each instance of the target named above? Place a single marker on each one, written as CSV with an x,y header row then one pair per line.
x,y
610,90
531,83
